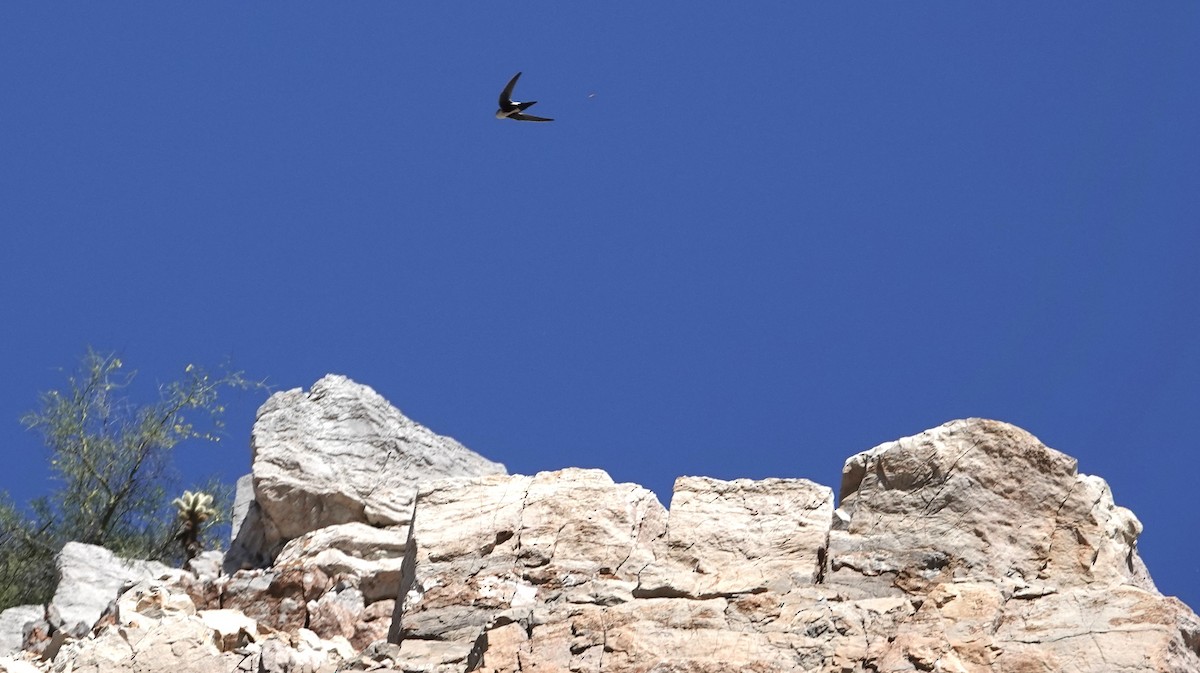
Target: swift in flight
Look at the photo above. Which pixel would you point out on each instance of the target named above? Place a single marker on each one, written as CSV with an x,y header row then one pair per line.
x,y
511,109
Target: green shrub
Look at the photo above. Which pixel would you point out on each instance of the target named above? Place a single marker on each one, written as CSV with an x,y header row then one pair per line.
x,y
112,461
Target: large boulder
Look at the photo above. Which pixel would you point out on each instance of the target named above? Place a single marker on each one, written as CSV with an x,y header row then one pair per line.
x,y
91,577
978,499
12,625
339,453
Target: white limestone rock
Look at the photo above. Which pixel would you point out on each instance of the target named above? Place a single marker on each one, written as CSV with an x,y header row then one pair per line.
x,y
569,571
432,656
179,644
158,631
340,453
248,536
742,536
91,577
978,499
970,548
12,625
488,545
1092,628
243,501
10,665
231,629
370,558
149,601
206,566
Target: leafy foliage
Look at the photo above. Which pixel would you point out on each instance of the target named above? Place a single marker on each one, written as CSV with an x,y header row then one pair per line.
x,y
112,459
27,573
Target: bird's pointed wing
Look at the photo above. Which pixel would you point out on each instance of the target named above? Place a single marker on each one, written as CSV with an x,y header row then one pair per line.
x,y
506,95
529,118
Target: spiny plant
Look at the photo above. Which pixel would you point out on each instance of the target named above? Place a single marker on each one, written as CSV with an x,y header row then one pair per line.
x,y
194,509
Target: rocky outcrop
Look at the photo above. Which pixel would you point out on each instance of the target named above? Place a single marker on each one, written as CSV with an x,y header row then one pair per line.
x,y
336,454
248,547
373,557
12,626
487,546
159,628
977,500
968,548
971,547
91,577
726,538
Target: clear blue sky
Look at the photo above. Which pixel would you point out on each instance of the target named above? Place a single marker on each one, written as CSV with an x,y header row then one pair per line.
x,y
757,239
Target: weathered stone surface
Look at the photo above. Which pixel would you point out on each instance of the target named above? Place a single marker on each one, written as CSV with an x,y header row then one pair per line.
x,y
156,631
306,654
336,613
970,548
378,656
36,636
277,599
374,623
732,537
90,577
178,644
11,665
960,627
1118,628
207,565
978,499
230,628
149,601
429,656
12,626
342,613
340,453
562,570
243,503
490,544
370,558
248,546
205,592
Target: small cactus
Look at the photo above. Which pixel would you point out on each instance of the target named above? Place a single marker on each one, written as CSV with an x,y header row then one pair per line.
x,y
194,506
194,510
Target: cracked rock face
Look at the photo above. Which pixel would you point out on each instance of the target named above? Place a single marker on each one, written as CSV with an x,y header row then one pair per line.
x,y
91,577
968,548
978,499
726,538
488,546
340,453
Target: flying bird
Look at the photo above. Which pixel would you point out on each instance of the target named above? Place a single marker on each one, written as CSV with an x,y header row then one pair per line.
x,y
512,109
